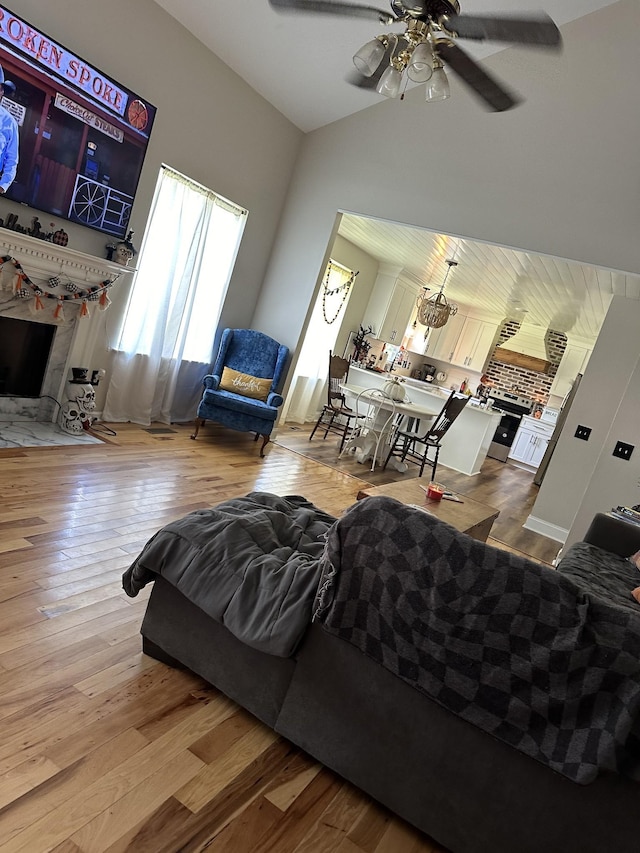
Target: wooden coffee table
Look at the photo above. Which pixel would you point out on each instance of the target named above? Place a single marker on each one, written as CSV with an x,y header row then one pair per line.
x,y
471,517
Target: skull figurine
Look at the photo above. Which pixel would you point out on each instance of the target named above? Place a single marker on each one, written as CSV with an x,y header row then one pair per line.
x,y
71,418
86,397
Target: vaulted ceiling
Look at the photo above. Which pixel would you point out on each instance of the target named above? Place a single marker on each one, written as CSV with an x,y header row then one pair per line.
x,y
298,62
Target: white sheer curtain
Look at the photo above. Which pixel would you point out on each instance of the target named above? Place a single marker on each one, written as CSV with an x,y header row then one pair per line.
x,y
308,386
166,339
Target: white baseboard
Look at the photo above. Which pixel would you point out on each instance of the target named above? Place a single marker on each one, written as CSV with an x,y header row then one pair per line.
x,y
545,528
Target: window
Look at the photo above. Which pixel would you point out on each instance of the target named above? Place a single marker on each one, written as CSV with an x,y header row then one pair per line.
x,y
165,343
184,269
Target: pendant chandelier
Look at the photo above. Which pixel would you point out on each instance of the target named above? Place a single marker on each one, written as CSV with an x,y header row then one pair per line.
x,y
435,312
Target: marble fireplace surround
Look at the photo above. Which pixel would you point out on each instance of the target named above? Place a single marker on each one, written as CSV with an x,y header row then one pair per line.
x,y
41,261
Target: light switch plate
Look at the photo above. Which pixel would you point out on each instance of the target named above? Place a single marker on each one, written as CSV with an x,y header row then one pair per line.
x,y
622,450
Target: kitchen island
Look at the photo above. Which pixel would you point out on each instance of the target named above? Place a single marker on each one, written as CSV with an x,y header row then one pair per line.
x,y
465,446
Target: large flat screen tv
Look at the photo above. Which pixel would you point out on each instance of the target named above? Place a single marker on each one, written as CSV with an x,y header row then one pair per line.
x,y
83,136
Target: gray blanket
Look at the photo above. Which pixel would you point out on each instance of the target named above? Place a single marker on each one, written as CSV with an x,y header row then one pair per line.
x,y
251,563
516,648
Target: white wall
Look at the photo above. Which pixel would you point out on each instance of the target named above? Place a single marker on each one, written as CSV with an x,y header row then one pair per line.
x,y
210,125
589,479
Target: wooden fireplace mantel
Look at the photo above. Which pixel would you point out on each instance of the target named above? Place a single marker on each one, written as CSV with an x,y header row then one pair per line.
x,y
41,258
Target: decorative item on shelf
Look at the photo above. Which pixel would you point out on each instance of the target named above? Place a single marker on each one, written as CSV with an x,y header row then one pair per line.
x,y
60,237
124,250
435,312
361,346
24,288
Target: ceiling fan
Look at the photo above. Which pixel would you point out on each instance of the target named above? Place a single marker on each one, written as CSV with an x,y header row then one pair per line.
x,y
428,43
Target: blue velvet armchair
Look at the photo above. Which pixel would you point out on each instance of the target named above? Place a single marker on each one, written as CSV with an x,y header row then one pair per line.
x,y
248,357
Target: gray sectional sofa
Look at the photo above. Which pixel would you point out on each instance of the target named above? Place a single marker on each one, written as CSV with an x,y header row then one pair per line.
x,y
373,696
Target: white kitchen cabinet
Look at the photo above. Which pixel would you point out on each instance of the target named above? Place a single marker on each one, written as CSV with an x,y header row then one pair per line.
x,y
390,307
474,344
442,342
531,442
574,361
465,341
398,315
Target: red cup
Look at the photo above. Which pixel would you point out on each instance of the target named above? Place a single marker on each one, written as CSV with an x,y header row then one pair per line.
x,y
435,491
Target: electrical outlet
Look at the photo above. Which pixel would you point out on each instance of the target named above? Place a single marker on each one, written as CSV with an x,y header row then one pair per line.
x,y
583,432
622,450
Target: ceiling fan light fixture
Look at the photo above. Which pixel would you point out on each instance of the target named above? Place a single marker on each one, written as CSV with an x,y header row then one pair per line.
x,y
367,60
438,85
390,83
420,68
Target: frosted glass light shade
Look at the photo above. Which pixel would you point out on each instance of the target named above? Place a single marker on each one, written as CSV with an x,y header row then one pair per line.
x,y
420,68
438,86
389,84
369,57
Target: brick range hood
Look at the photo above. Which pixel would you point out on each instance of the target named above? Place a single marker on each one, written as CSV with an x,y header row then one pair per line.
x,y
41,261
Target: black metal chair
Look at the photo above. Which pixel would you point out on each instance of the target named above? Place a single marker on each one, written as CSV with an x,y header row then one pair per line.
x,y
422,449
336,416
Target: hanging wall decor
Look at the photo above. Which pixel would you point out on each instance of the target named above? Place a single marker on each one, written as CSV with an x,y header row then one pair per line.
x,y
25,288
345,287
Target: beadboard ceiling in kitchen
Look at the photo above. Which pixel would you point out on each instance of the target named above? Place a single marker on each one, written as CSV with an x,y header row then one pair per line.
x,y
504,283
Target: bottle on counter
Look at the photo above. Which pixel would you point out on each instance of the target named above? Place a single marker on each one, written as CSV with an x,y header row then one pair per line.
x,y
463,385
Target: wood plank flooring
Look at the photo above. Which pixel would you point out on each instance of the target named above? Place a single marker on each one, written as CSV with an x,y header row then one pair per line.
x,y
105,749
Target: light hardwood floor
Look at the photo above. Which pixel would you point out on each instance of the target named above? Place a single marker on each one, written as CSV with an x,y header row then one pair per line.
x,y
104,749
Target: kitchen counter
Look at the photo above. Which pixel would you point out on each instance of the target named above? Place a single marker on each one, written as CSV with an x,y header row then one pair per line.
x,y
465,446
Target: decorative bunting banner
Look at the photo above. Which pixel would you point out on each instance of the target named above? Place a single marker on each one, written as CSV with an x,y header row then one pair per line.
x,y
24,288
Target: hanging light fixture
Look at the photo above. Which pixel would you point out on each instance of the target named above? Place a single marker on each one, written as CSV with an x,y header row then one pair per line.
x,y
412,52
435,312
438,84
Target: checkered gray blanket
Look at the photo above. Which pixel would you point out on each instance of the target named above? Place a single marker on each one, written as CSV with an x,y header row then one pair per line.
x,y
514,647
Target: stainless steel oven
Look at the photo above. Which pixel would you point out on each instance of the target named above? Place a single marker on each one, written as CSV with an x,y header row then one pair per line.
x,y
513,407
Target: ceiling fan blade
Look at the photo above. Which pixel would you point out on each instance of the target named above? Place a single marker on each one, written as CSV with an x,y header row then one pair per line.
x,y
486,87
330,7
541,30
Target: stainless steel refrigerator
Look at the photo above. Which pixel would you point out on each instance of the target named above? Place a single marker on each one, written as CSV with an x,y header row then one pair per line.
x,y
560,422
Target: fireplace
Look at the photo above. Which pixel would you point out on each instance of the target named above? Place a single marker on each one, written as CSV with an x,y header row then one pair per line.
x,y
24,355
42,261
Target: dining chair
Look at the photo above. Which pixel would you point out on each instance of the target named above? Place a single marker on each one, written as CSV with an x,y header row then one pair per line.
x,y
375,411
336,416
411,446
